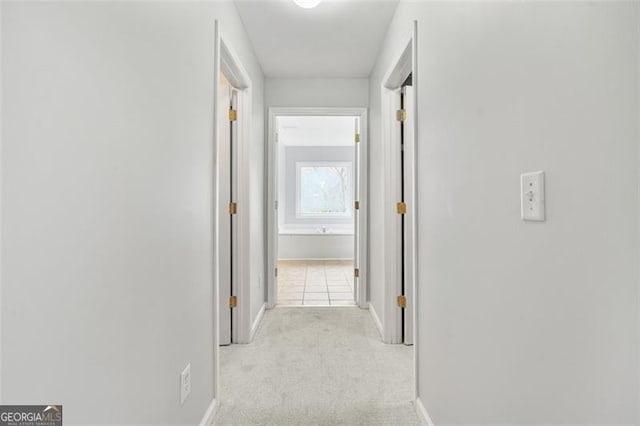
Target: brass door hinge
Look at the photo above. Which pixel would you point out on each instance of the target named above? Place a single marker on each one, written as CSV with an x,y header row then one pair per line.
x,y
401,207
402,301
356,205
276,272
401,115
357,138
233,115
233,208
356,272
233,301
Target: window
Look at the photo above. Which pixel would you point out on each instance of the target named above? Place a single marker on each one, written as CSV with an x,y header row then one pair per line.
x,y
323,189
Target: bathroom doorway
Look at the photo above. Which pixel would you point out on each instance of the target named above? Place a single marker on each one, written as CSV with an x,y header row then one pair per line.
x,y
317,221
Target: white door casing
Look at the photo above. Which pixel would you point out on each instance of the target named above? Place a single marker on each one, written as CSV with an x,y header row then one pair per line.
x,y
224,180
226,62
356,211
403,65
410,217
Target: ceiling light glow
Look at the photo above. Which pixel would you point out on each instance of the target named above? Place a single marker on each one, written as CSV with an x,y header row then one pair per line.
x,y
307,4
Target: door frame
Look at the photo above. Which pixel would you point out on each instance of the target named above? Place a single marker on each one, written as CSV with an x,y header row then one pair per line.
x,y
404,63
272,215
227,62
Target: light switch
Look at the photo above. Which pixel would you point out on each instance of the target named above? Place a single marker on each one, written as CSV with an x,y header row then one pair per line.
x,y
532,196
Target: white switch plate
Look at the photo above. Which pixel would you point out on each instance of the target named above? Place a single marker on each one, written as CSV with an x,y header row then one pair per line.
x,y
185,383
532,196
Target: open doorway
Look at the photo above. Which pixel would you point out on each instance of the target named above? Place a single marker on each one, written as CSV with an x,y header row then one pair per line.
x,y
317,224
399,133
231,223
227,193
315,193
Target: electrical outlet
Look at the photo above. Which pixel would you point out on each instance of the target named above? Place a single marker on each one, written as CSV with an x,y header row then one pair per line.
x,y
185,383
532,196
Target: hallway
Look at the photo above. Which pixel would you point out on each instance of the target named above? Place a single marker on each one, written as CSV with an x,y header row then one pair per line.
x,y
463,176
316,366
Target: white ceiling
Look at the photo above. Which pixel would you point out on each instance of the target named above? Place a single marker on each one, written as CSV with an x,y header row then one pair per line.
x,y
338,38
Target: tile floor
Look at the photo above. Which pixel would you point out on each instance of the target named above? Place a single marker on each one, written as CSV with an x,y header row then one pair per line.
x,y
315,283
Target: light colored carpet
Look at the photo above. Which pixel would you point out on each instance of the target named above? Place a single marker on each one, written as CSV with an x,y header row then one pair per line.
x,y
316,366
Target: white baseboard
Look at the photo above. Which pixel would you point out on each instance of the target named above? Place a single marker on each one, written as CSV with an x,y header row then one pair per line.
x,y
316,258
210,414
423,414
376,320
256,323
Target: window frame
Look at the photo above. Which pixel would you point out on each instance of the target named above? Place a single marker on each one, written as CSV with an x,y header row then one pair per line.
x,y
348,214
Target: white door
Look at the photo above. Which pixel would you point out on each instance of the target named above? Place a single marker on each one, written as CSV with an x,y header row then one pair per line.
x,y
408,189
273,217
357,288
276,213
224,199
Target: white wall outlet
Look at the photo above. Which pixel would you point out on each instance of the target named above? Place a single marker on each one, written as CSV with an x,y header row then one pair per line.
x,y
532,196
185,383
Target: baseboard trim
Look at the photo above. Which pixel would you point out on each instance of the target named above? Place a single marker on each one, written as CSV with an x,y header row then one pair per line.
x,y
376,320
423,414
256,323
316,258
210,414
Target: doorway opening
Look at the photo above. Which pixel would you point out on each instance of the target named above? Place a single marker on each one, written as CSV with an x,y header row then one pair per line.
x,y
227,193
231,319
317,225
316,211
399,109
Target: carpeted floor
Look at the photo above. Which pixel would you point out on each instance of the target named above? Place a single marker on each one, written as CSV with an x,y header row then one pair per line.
x,y
316,366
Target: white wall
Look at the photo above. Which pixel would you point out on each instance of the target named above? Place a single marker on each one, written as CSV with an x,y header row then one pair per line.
x,y
317,92
296,239
307,246
107,205
524,322
257,200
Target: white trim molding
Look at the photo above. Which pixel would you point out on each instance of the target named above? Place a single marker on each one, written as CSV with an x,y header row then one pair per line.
x,y
399,70
215,220
256,323
210,414
422,413
376,320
